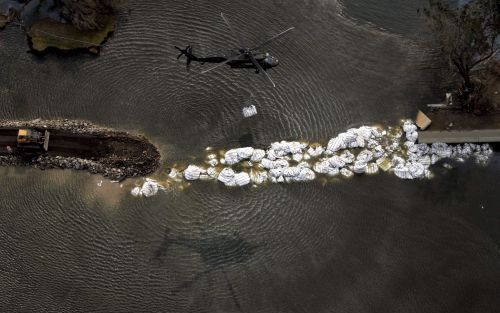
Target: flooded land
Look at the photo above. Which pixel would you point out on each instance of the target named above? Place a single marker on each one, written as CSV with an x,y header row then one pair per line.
x,y
73,241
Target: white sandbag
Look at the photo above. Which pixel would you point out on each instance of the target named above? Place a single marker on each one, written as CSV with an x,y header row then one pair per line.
x,y
425,161
365,156
315,151
336,144
359,167
348,157
291,171
371,168
305,174
231,157
281,163
397,160
226,176
192,172
271,154
413,136
441,149
336,161
376,133
213,162
285,147
149,188
257,155
333,171
402,172
304,165
136,191
365,132
349,137
234,156
297,157
378,151
393,146
249,111
295,147
481,158
352,145
212,172
346,173
372,143
242,179
416,170
266,163
322,167
276,172
486,148
245,153
360,141
409,127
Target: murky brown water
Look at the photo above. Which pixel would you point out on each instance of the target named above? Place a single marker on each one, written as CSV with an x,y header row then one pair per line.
x,y
368,244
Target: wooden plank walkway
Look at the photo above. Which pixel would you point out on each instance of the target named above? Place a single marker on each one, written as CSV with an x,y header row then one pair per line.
x,y
459,136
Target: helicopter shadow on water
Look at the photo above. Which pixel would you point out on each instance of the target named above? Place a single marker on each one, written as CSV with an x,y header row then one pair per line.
x,y
217,253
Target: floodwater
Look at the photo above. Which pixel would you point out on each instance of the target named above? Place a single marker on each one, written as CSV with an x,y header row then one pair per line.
x,y
70,243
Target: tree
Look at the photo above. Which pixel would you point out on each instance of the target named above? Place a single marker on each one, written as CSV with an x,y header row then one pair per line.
x,y
467,35
88,15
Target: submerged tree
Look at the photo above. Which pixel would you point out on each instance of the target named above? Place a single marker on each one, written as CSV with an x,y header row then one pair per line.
x,y
468,36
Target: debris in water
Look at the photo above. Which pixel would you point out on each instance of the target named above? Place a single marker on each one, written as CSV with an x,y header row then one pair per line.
x,y
249,111
149,188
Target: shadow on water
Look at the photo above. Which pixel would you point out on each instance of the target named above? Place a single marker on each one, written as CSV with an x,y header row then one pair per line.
x,y
246,140
216,252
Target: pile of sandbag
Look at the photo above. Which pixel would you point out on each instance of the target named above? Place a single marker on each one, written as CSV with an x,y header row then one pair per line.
x,y
363,150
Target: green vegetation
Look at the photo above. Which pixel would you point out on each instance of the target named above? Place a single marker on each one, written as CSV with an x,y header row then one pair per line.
x,y
467,37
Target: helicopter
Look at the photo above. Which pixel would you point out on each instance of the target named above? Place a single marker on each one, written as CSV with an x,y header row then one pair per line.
x,y
239,58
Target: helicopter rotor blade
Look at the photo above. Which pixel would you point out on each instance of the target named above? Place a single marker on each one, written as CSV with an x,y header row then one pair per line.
x,y
259,67
235,35
222,63
272,39
180,50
